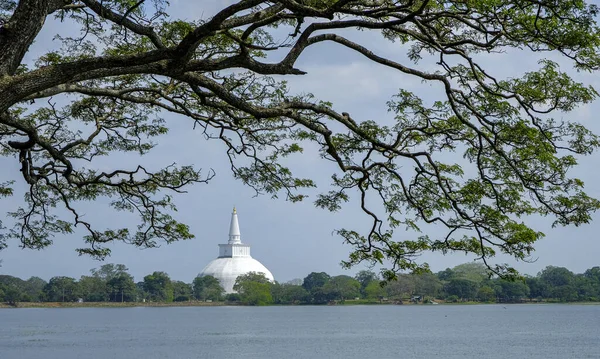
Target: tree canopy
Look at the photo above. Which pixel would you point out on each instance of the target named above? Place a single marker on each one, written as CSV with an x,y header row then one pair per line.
x,y
552,284
207,287
489,152
159,287
254,288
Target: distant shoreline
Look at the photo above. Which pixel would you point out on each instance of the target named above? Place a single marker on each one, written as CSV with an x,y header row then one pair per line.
x,y
221,304
112,304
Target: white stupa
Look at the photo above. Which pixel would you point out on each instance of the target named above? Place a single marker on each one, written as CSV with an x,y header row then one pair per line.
x,y
234,259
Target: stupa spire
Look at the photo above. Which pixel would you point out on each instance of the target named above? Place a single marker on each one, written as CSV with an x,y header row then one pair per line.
x,y
234,259
234,229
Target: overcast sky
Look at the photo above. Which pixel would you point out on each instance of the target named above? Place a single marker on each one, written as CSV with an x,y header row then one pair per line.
x,y
292,240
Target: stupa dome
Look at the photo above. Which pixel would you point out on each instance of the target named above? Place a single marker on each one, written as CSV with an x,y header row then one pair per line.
x,y
234,259
226,270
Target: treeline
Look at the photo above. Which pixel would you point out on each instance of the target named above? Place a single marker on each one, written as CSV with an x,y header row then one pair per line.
x,y
109,283
466,282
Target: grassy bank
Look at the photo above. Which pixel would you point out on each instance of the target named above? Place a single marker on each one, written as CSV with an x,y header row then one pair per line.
x,y
216,304
170,304
110,304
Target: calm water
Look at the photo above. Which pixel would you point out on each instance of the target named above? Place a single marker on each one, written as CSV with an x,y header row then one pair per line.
x,y
483,331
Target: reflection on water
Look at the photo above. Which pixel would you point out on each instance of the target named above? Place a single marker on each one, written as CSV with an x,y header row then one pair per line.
x,y
474,331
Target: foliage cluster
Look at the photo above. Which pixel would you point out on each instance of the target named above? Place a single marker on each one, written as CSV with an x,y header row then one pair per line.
x,y
465,282
109,283
477,161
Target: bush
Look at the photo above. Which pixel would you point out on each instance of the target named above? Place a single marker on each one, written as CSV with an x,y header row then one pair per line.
x,y
486,294
12,295
232,297
452,299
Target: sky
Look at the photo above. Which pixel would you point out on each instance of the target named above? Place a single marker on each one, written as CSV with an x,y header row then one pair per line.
x,y
291,239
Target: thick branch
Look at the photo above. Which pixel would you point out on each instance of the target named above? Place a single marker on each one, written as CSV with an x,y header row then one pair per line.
x,y
108,14
19,32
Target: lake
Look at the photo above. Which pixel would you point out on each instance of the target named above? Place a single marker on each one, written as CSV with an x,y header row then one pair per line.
x,y
407,332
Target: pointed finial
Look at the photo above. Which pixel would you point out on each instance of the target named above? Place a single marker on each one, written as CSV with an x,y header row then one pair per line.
x,y
234,228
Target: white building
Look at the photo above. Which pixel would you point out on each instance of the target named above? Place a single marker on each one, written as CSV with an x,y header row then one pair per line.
x,y
234,259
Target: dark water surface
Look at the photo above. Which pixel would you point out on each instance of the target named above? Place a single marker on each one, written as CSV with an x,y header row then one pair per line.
x,y
441,331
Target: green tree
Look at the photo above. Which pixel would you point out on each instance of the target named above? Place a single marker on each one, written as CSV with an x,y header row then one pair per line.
x,y
464,289
428,285
254,289
401,288
313,284
374,290
141,293
93,289
593,276
342,287
538,289
10,280
287,293
13,289
121,288
182,292
110,282
315,280
108,271
487,152
61,289
474,271
446,274
12,294
365,277
486,294
255,293
586,288
207,288
511,291
560,282
158,286
33,288
252,277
